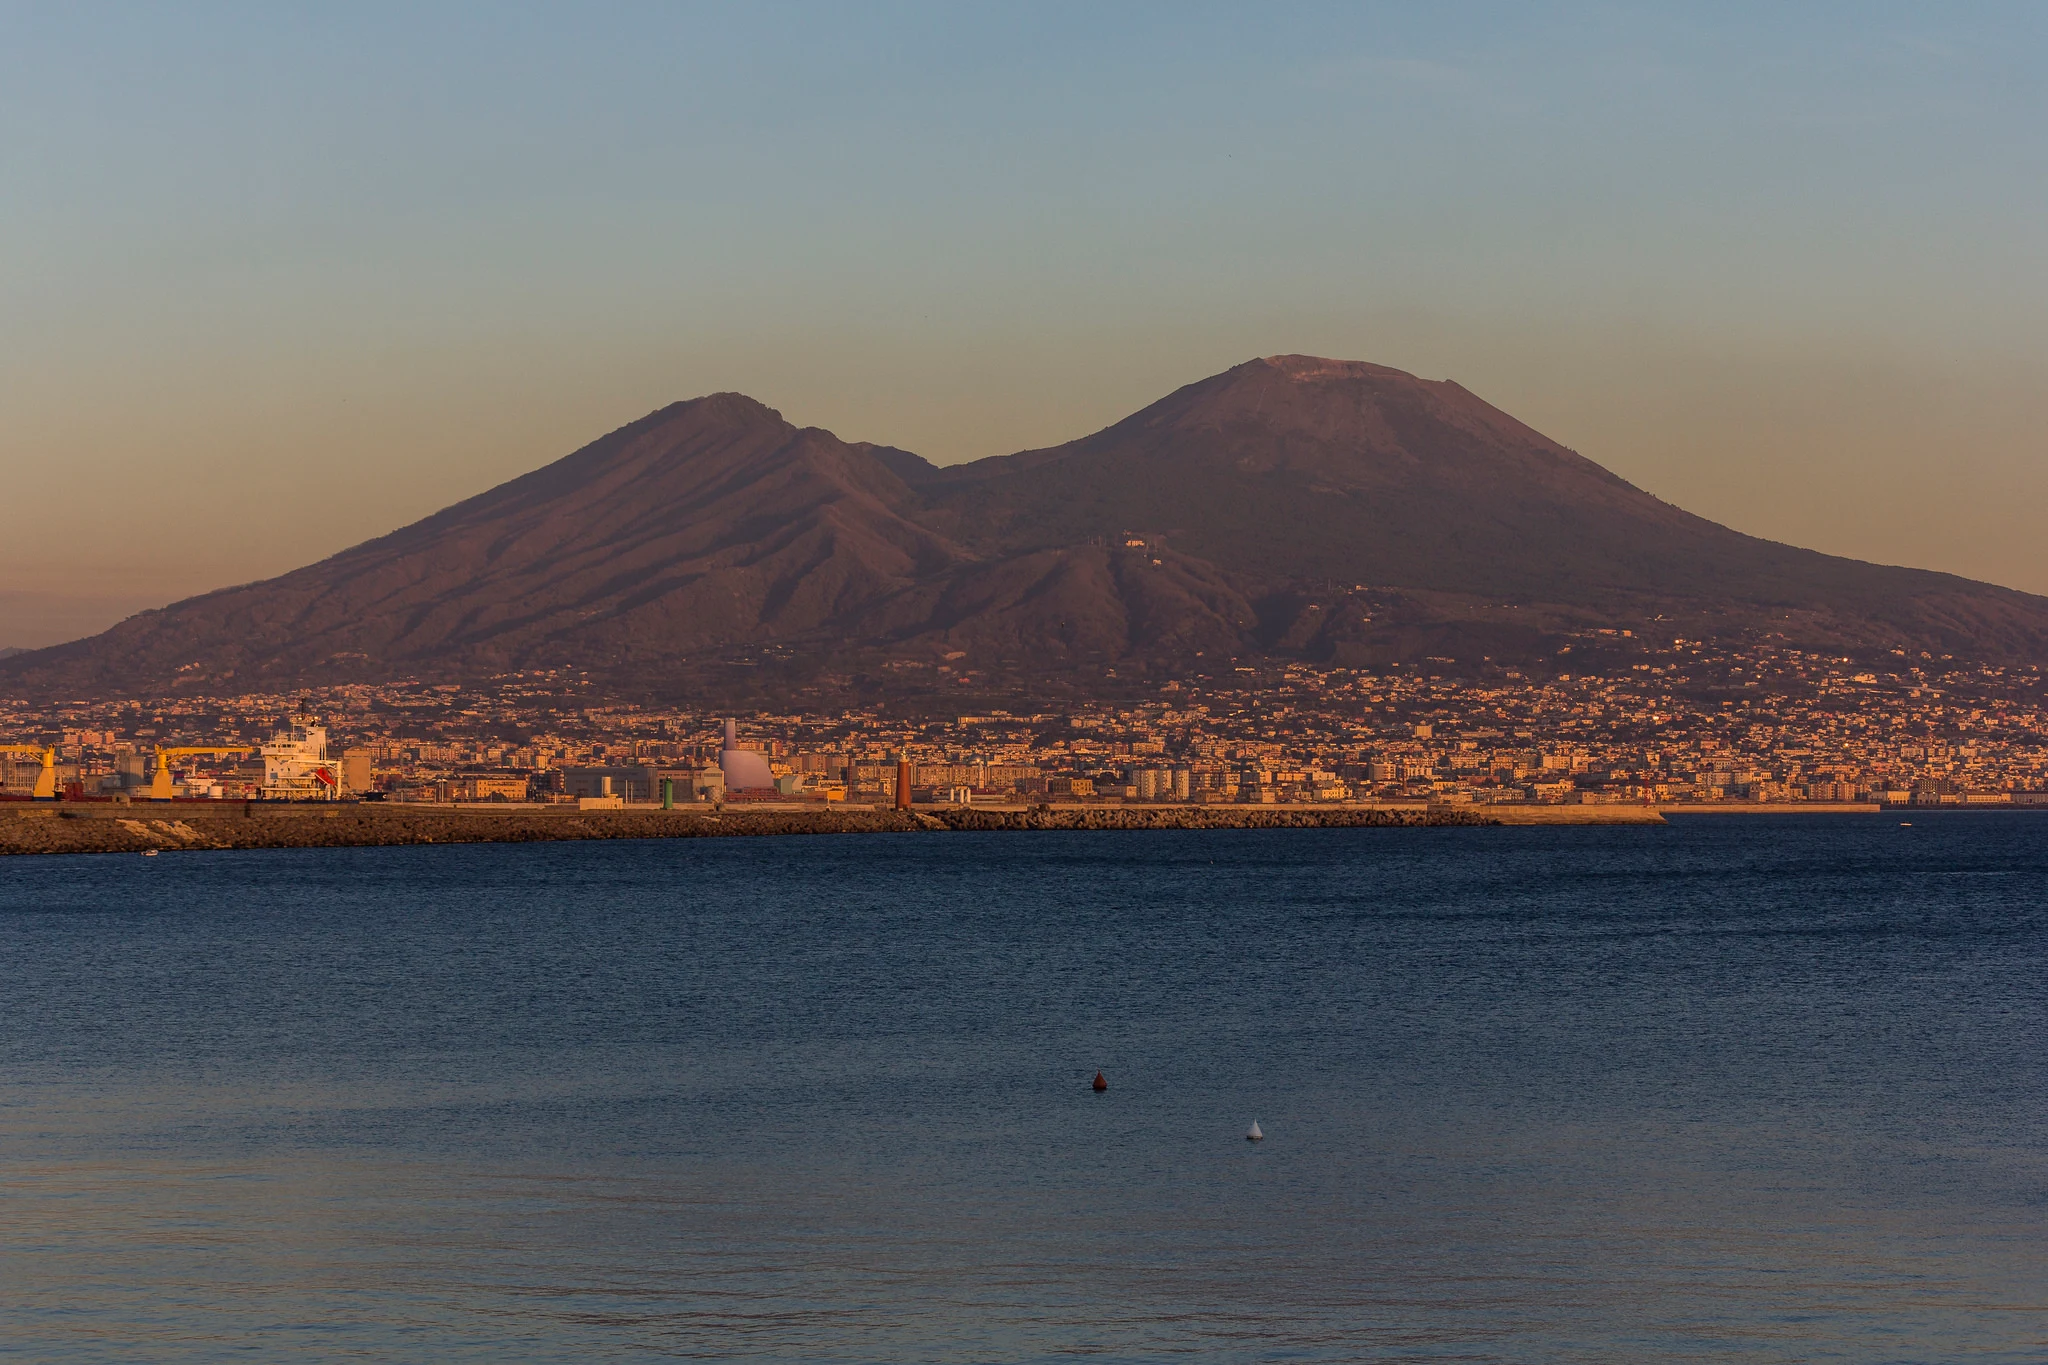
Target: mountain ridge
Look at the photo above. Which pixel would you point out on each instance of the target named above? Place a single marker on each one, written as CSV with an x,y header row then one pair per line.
x,y
1291,505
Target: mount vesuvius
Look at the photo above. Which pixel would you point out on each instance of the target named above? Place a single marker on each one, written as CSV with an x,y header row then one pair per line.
x,y
1290,506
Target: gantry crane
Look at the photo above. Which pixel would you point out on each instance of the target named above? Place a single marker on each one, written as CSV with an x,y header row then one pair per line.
x,y
160,785
46,780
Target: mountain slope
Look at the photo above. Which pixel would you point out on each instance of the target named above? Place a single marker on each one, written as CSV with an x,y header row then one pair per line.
x,y
1316,508
705,523
1298,468
1295,466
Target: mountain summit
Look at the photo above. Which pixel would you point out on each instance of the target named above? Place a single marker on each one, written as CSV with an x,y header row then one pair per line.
x,y
1323,509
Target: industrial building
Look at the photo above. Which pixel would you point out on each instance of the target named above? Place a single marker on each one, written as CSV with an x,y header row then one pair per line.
x,y
642,782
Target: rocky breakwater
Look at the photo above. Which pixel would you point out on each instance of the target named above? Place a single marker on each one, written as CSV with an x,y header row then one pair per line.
x,y
182,826
143,828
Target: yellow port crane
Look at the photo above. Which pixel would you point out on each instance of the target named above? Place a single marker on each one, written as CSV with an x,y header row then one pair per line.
x,y
160,785
46,780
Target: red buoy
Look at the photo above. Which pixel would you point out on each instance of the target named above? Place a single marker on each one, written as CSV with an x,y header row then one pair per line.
x,y
1100,1084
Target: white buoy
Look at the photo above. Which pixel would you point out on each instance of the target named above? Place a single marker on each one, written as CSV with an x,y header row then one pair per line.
x,y
1255,1135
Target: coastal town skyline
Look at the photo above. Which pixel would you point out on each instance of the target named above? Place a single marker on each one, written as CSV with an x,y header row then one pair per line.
x,y
1684,724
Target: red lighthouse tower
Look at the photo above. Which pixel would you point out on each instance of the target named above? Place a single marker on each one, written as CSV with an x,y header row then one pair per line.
x,y
902,781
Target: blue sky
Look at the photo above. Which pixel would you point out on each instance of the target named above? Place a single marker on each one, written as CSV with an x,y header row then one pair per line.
x,y
1784,268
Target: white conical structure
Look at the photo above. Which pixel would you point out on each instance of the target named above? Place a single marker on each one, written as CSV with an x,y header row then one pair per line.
x,y
744,769
1254,1135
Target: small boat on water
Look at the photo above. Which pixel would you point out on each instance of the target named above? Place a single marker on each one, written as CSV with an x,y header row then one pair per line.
x,y
1255,1135
149,853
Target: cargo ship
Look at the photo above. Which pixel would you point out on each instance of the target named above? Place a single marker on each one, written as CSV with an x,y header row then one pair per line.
x,y
296,764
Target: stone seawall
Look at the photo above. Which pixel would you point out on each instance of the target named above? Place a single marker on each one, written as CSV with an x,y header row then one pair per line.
x,y
141,827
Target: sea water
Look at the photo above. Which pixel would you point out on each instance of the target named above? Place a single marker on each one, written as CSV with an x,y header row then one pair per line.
x,y
1736,1089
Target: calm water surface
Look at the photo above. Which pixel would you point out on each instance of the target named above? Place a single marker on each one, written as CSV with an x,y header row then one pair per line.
x,y
1733,1090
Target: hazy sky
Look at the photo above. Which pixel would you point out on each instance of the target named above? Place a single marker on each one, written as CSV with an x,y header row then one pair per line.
x,y
273,281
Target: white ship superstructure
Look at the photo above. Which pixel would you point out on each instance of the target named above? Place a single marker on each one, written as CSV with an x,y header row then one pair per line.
x,y
296,766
